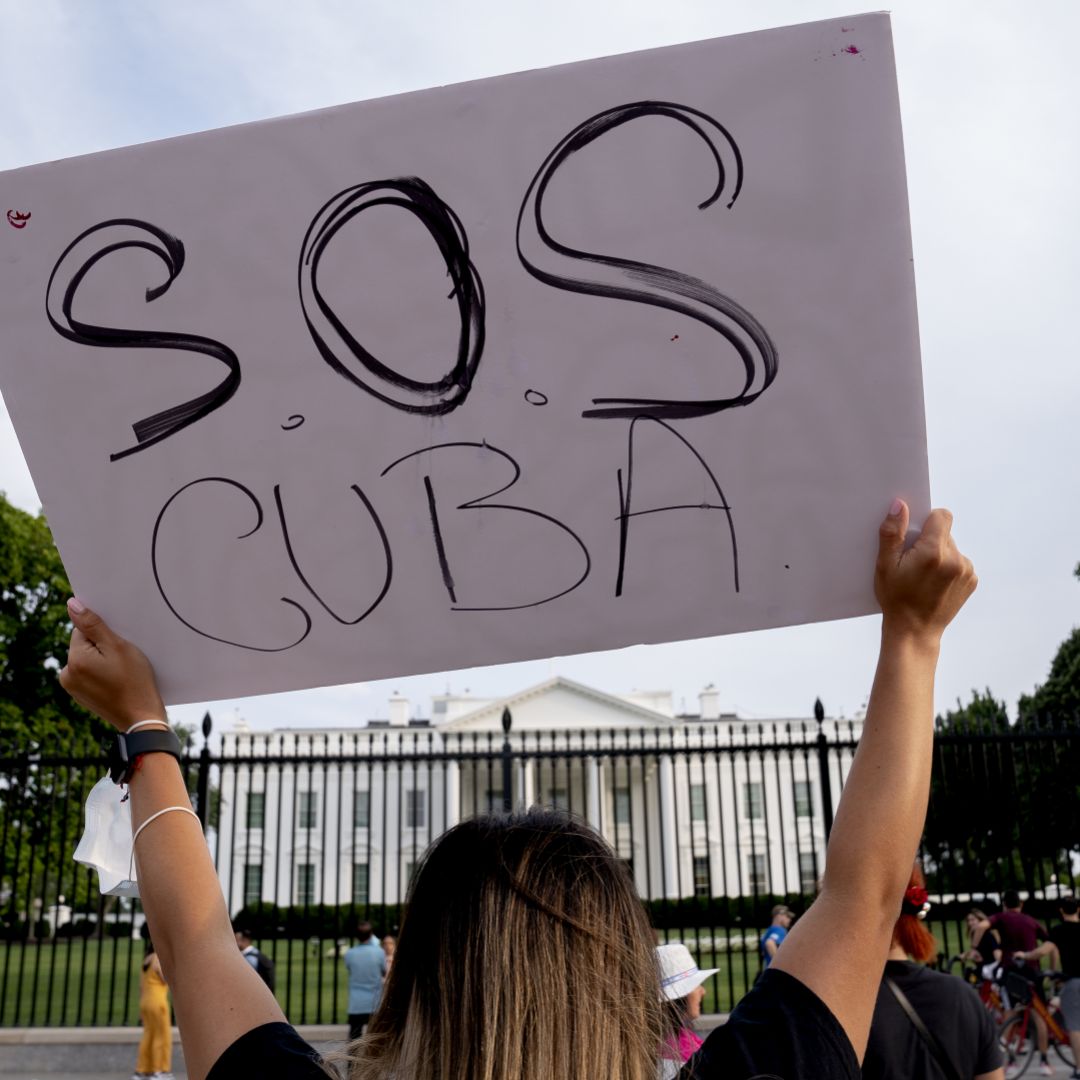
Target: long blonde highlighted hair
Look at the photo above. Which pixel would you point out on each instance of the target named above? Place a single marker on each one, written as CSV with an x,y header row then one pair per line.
x,y
524,954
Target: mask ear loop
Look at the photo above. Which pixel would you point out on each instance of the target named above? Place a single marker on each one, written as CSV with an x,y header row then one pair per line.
x,y
154,817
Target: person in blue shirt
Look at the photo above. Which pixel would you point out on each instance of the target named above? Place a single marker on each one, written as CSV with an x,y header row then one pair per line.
x,y
782,918
366,964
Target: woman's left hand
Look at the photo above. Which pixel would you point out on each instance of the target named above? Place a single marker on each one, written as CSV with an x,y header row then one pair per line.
x,y
108,675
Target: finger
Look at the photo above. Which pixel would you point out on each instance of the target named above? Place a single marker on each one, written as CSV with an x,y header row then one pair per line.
x,y
936,532
92,626
80,644
892,531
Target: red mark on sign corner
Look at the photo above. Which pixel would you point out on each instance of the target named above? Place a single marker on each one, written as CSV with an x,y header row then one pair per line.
x,y
854,50
18,220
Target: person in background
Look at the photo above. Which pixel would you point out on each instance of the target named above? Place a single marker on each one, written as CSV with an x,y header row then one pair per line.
x,y
1021,934
1066,940
772,939
987,954
263,965
155,1046
924,1016
367,966
681,986
389,943
523,928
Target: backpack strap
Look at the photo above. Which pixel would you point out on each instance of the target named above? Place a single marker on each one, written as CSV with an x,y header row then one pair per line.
x,y
937,1052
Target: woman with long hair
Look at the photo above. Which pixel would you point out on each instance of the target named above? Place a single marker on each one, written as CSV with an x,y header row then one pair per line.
x,y
524,953
927,1023
155,1046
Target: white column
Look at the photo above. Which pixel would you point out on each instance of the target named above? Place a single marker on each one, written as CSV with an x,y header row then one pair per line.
x,y
668,839
528,782
452,795
593,793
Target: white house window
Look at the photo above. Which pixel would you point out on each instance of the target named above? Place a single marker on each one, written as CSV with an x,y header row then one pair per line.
x,y
757,872
307,810
807,872
753,800
622,806
305,883
803,799
697,802
415,808
256,809
361,809
252,883
360,882
701,875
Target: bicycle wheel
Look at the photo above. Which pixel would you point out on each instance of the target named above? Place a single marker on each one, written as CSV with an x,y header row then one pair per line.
x,y
1018,1045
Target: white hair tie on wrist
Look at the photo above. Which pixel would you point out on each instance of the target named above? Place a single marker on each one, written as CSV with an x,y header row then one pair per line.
x,y
154,817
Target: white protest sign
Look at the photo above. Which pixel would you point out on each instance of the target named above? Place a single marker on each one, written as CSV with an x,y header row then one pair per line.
x,y
622,351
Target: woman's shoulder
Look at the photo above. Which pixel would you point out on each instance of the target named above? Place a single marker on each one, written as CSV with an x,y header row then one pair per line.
x,y
271,1052
781,1027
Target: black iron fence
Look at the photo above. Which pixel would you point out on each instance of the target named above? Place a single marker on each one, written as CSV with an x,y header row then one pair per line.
x,y
310,832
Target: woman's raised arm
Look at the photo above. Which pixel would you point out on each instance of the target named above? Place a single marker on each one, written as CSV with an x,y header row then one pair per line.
x,y
216,992
838,947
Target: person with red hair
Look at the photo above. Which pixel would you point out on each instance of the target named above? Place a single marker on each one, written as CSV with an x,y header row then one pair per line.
x,y
927,1023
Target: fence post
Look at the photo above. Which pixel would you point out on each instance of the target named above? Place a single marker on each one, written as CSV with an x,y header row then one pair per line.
x,y
823,768
203,785
507,763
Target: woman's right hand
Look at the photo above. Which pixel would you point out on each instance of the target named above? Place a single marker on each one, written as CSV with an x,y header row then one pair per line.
x,y
920,588
108,675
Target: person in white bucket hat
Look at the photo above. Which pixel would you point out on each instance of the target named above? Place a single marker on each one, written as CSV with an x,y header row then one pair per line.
x,y
682,988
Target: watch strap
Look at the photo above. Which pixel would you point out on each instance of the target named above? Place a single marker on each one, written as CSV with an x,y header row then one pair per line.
x,y
130,746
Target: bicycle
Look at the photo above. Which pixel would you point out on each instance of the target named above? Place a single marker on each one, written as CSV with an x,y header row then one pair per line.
x,y
1017,1037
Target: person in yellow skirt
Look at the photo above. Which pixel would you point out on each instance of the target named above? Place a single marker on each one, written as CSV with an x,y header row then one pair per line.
x,y
155,1049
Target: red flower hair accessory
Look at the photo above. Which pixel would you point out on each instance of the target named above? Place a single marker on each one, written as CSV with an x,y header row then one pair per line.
x,y
916,902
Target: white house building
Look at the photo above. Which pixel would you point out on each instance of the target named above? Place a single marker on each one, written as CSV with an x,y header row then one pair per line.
x,y
698,805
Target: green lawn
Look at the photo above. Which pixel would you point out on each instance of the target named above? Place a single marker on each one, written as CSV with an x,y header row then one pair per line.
x,y
101,980
97,983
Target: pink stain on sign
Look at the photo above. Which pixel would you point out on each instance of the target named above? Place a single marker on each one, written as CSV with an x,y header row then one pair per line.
x,y
854,50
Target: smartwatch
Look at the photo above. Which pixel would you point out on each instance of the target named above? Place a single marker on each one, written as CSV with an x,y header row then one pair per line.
x,y
127,748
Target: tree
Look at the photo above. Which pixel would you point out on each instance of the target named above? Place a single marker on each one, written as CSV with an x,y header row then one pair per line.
x,y
970,824
35,712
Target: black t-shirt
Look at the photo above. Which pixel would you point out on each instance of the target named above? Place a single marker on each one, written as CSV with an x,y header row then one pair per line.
x,y
1067,938
270,1052
781,1030
948,1007
987,944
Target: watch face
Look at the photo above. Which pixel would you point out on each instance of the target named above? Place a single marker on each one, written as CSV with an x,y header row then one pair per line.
x,y
118,759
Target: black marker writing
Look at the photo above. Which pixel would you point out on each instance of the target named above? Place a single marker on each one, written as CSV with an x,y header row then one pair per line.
x,y
295,421
333,338
481,503
254,529
535,397
388,559
119,235
626,513
643,283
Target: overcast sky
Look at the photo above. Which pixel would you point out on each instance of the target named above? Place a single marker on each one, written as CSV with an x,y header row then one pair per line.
x,y
988,92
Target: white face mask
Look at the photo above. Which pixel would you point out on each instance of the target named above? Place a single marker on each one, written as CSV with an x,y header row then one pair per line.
x,y
106,844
